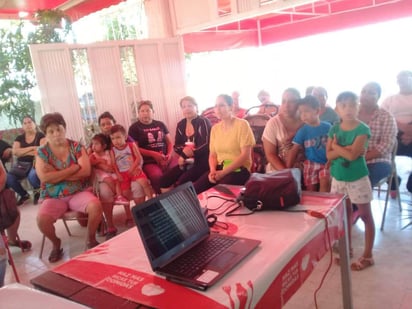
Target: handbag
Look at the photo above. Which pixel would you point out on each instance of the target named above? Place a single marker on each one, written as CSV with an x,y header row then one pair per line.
x,y
20,169
272,191
8,209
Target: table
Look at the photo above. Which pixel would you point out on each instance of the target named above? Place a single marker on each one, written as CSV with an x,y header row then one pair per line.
x,y
118,272
17,295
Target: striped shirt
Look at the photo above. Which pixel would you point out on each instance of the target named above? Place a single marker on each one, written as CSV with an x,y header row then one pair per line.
x,y
383,135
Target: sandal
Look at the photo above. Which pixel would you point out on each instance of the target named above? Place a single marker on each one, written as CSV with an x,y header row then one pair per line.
x,y
111,233
92,244
362,263
55,255
23,244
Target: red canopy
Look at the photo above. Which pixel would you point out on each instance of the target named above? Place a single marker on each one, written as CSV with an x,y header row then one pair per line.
x,y
9,9
309,19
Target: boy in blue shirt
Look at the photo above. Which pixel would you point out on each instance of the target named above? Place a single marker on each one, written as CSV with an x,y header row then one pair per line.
x,y
312,136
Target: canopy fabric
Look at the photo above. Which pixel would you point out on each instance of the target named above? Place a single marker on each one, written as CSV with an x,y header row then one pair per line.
x,y
310,19
9,9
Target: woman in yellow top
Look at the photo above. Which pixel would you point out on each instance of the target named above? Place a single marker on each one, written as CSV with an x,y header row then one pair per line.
x,y
231,142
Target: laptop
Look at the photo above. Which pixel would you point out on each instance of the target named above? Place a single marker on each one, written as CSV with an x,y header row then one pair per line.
x,y
178,242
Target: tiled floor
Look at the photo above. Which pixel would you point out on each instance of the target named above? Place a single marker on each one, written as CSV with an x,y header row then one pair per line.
x,y
387,285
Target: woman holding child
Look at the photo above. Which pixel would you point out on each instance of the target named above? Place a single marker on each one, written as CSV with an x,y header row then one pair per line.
x,y
192,146
111,194
279,132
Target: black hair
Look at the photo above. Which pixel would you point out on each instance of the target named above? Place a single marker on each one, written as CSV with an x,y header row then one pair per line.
x,y
117,128
310,101
101,138
106,115
51,118
347,96
228,99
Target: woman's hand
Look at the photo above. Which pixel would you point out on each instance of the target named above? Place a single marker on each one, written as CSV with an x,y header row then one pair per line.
x,y
212,177
188,151
181,161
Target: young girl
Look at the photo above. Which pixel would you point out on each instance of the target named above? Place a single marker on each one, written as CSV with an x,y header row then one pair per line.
x,y
346,148
128,162
99,158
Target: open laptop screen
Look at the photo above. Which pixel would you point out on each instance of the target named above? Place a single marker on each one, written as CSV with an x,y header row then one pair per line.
x,y
170,223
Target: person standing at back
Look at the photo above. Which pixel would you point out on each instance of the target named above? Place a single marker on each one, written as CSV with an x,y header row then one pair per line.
x,y
400,106
326,112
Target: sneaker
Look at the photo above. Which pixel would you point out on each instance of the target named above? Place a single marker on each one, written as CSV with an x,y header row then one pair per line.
x,y
23,199
36,198
121,200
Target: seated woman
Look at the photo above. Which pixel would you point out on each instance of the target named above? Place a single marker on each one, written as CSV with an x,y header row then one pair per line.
x,y
279,132
64,170
11,231
155,144
231,142
192,146
25,148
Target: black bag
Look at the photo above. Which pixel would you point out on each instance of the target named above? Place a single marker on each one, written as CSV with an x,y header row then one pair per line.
x,y
8,208
21,169
273,191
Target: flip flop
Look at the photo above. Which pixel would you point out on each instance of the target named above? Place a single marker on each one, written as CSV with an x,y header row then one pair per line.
x,y
55,255
23,244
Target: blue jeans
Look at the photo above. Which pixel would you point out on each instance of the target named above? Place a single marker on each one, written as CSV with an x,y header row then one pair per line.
x,y
378,171
13,182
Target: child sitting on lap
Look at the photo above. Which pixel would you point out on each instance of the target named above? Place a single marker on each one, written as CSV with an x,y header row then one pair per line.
x,y
100,156
128,162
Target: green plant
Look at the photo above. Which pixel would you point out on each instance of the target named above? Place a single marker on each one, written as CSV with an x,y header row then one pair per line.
x,y
17,79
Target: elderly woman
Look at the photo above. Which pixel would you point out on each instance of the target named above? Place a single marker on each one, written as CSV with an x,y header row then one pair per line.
x,y
155,144
231,142
25,148
192,146
280,130
64,169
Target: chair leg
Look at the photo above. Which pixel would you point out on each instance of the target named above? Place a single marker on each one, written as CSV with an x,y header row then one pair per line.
x,y
42,246
10,257
386,202
67,228
398,195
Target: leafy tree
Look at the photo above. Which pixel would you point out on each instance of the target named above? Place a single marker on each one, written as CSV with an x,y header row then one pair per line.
x,y
17,78
16,74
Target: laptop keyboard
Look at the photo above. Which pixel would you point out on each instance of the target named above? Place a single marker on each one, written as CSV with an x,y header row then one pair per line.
x,y
193,261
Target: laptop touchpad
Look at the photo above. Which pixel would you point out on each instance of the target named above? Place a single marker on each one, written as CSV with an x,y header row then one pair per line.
x,y
224,259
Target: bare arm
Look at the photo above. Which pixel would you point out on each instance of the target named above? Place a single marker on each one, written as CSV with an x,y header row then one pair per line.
x,y
19,151
138,162
2,176
330,153
271,155
245,153
293,152
356,150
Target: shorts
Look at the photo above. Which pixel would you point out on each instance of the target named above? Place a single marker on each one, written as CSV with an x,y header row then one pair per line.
x,y
56,207
313,171
359,191
128,180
